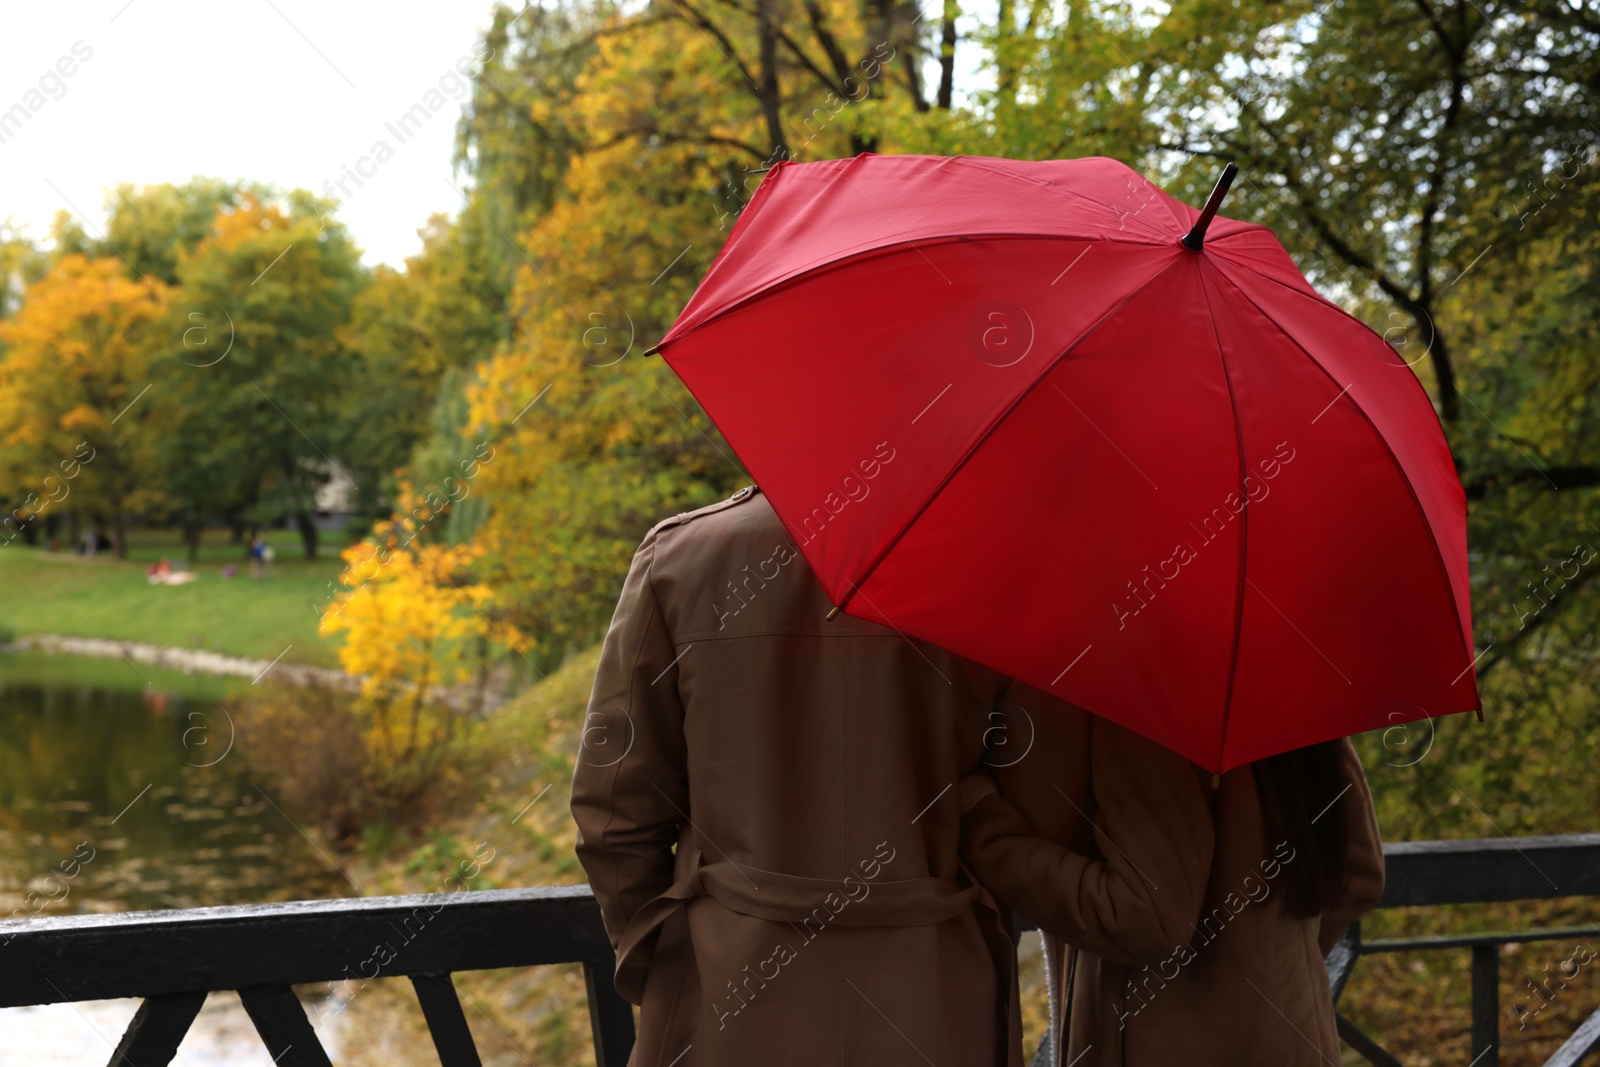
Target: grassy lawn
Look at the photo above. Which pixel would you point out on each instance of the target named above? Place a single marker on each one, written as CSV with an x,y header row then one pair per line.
x,y
61,593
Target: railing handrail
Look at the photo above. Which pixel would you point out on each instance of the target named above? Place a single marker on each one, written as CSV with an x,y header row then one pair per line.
x,y
1490,870
280,908
150,953
561,924
173,958
1478,871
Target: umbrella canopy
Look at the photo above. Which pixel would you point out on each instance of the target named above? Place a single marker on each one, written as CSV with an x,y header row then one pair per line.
x,y
1002,407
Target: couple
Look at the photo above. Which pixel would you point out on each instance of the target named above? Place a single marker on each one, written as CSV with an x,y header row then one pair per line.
x,y
807,838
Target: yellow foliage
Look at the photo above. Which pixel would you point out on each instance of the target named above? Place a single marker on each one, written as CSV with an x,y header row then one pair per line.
x,y
77,358
245,222
414,618
614,441
410,619
415,622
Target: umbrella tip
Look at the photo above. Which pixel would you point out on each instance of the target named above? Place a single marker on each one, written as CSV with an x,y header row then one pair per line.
x,y
1195,239
834,614
653,350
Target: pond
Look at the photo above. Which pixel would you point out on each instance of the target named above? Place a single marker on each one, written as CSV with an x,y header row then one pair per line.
x,y
120,791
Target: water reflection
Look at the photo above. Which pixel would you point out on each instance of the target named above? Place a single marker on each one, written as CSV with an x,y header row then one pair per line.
x,y
116,801
130,800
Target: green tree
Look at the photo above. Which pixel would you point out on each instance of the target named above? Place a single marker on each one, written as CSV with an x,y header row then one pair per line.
x,y
409,329
151,226
256,409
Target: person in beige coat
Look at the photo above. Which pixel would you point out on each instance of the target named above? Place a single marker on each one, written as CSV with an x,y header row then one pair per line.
x,y
767,812
1222,961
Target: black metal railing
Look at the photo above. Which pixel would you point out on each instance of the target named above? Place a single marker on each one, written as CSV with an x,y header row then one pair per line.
x,y
1431,873
173,959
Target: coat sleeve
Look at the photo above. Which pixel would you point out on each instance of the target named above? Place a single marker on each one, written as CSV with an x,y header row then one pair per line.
x,y
1137,901
1363,883
1050,784
630,788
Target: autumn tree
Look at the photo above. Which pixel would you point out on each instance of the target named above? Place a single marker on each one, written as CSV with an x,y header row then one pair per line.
x,y
416,623
625,144
74,377
21,264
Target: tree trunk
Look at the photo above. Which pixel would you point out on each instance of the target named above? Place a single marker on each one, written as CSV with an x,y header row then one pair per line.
x,y
1004,53
947,55
308,532
483,673
1420,311
911,54
193,530
120,534
1445,378
768,92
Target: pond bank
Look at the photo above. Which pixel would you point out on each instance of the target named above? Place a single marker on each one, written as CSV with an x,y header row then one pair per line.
x,y
467,698
187,660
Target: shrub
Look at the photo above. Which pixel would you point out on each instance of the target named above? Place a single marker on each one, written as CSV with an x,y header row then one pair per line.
x,y
345,762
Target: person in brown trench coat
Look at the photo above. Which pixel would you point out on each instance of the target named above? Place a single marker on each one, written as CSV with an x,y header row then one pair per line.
x,y
767,812
1216,967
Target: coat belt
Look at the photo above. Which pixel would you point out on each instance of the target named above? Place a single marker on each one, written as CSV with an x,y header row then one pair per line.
x,y
779,897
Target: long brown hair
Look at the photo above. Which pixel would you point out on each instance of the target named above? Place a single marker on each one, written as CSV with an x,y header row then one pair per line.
x,y
1302,804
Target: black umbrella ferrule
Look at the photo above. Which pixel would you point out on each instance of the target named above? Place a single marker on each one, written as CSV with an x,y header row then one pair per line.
x,y
1195,239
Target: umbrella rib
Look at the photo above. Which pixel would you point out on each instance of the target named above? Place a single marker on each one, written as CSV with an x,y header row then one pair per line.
x,y
1045,373
1405,477
1224,265
1244,524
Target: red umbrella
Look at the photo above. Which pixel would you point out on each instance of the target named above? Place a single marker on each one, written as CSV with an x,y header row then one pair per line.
x,y
1036,414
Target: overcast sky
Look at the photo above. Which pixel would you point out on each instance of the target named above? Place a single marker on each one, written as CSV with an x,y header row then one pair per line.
x,y
289,92
284,91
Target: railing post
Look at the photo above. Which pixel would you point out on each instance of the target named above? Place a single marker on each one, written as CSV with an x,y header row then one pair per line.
x,y
1584,1040
153,1037
281,1021
1369,1049
1342,960
1485,1005
441,1007
610,1016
